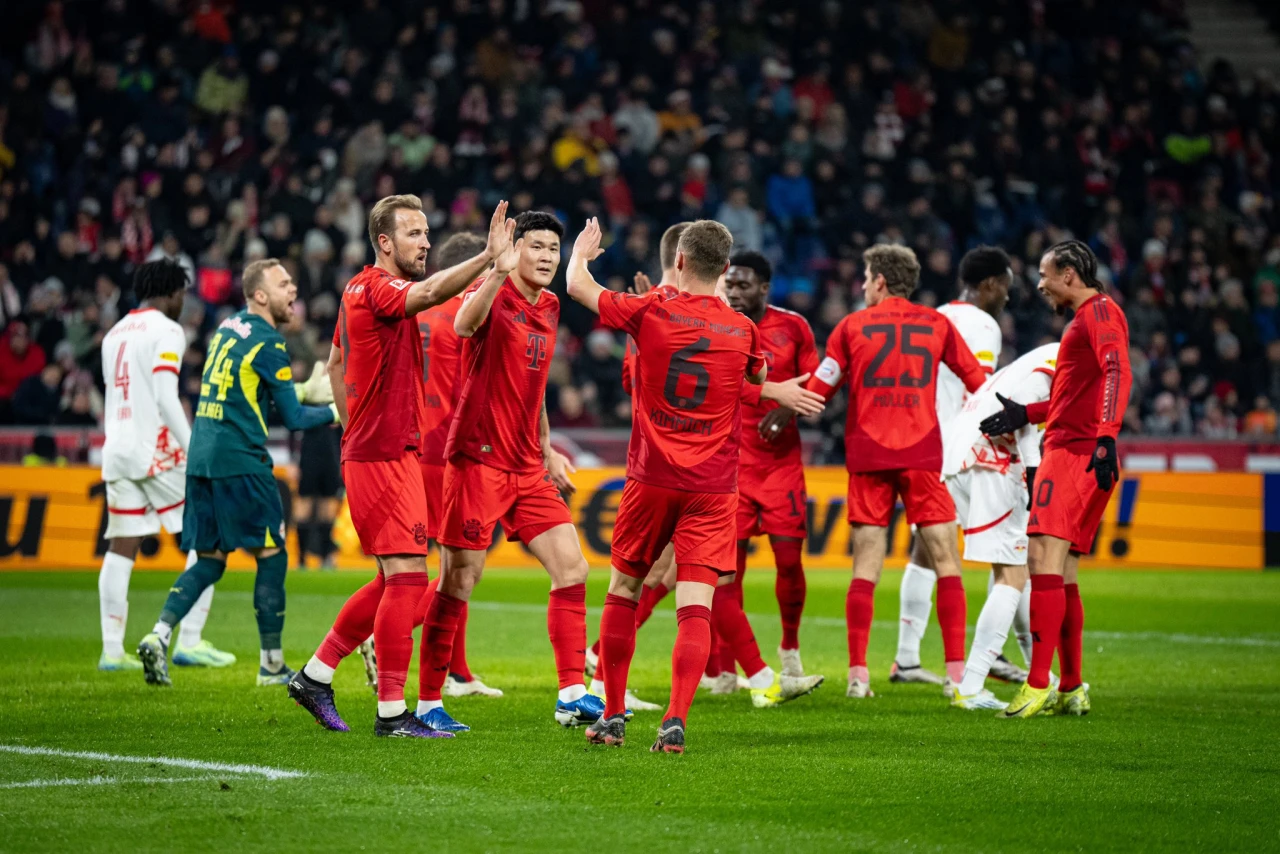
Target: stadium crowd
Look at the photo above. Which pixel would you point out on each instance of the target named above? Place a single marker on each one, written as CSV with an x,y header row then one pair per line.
x,y
231,131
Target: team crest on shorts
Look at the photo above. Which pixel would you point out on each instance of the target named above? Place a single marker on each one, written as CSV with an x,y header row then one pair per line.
x,y
471,530
420,534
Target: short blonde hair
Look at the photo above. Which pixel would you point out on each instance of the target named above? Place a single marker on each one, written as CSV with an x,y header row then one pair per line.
x,y
706,245
898,265
382,219
253,273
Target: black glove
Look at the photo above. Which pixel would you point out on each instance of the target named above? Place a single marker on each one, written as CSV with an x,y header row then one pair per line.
x,y
1013,417
1103,463
1031,486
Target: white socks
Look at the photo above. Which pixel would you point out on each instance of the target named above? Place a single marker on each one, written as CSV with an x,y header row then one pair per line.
x,y
425,706
763,679
573,692
1022,623
915,601
113,602
989,636
318,671
192,626
391,708
597,687
164,630
271,660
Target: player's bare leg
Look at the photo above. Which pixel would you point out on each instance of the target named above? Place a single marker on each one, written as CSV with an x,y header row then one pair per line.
x,y
869,546
952,606
989,635
1047,561
560,552
790,589
915,601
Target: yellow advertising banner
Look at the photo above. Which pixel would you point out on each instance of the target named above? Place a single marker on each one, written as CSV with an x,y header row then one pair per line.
x,y
53,518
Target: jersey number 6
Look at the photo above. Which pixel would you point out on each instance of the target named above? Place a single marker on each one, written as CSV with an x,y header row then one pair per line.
x,y
682,364
905,348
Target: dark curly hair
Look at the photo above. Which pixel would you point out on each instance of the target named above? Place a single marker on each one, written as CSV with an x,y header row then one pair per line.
x,y
755,262
1079,257
158,279
981,263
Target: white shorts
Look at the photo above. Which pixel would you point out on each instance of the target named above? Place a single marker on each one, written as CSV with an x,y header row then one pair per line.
x,y
991,510
137,508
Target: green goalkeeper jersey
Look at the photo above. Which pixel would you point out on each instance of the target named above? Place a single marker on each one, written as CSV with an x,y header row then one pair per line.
x,y
247,365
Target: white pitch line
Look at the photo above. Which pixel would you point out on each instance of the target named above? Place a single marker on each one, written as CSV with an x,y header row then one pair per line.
x,y
838,622
96,781
190,764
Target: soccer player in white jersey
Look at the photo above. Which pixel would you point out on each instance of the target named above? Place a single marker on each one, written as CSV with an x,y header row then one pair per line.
x,y
990,479
985,278
143,458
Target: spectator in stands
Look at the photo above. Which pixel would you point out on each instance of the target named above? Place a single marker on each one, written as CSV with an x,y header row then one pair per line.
x,y
20,359
39,397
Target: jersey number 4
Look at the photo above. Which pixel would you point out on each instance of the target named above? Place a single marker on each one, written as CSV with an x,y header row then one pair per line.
x,y
218,366
905,347
122,372
682,365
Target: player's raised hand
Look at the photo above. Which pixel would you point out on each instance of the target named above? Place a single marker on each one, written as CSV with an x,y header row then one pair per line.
x,y
559,467
641,284
794,396
507,261
1010,419
501,231
587,246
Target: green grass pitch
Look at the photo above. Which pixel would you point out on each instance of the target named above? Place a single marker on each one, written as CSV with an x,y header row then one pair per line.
x,y
1179,753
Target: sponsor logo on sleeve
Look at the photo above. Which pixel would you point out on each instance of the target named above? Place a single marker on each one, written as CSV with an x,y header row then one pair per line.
x,y
169,357
284,374
829,371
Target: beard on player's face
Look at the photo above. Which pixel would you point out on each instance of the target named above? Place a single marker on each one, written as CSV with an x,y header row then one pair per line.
x,y
412,262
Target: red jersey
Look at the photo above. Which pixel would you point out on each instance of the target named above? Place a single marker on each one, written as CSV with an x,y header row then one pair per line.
x,y
892,351
441,355
790,351
695,353
629,356
1091,386
381,368
504,381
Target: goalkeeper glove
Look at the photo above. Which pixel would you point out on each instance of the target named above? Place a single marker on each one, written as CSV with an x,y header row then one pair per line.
x,y
1103,463
1011,418
317,389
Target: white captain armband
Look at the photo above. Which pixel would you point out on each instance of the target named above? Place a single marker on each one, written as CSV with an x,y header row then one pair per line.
x,y
828,372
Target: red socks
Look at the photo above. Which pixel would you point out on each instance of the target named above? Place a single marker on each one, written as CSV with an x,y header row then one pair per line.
x,y
789,587
458,663
617,646
1048,609
735,631
439,629
951,617
693,645
649,599
713,660
393,631
1071,639
859,607
567,628
353,625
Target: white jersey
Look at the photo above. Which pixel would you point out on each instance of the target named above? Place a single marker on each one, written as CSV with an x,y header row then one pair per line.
x,y
135,352
981,334
1027,380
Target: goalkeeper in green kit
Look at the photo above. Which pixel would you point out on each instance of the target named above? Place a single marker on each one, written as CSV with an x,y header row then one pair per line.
x,y
232,501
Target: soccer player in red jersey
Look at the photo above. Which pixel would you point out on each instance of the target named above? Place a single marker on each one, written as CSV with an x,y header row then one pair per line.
x,y
1077,475
890,352
682,461
501,467
380,394
771,488
441,378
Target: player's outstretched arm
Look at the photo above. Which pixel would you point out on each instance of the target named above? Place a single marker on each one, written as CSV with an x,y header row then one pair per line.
x,y
272,368
336,382
581,284
446,284
476,305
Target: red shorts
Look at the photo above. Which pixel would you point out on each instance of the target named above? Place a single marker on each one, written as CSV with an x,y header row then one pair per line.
x,y
1068,504
699,525
872,495
433,484
771,502
477,496
387,505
